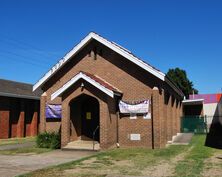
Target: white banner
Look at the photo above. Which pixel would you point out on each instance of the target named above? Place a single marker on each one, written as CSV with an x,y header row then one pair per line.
x,y
142,107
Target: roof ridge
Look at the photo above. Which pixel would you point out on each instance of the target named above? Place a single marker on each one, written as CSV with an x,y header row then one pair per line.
x,y
13,81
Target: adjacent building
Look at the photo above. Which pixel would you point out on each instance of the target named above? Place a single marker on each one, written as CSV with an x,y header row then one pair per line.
x,y
208,105
19,109
208,109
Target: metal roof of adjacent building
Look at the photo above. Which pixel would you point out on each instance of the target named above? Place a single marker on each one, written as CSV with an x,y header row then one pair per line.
x,y
18,90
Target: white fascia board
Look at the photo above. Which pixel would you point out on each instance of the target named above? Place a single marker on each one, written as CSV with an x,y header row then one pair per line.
x,y
130,57
85,41
62,61
173,87
193,100
97,85
65,86
86,78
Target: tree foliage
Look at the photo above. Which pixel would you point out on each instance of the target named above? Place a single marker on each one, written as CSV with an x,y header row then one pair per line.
x,y
179,77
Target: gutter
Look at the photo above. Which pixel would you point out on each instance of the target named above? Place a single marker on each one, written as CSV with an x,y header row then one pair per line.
x,y
19,96
173,86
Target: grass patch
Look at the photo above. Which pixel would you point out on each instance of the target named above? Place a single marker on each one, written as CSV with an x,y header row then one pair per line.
x,y
193,163
117,161
21,150
135,161
16,140
24,150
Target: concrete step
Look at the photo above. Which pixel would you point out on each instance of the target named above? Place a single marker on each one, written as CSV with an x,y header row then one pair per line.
x,y
82,145
181,139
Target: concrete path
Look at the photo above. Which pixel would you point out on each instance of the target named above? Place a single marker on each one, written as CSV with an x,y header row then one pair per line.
x,y
16,146
183,138
12,165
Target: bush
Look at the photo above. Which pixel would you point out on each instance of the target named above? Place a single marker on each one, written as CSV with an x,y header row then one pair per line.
x,y
55,141
49,140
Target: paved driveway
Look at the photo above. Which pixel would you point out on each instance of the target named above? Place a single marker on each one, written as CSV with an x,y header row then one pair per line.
x,y
11,165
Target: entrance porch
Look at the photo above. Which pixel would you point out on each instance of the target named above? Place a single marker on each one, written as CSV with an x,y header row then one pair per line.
x,y
84,123
88,111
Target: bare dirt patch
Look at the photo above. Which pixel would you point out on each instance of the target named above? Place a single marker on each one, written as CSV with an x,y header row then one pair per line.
x,y
89,161
102,166
97,167
165,168
213,165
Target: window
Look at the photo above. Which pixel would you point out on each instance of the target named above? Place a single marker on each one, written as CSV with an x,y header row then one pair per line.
x,y
133,116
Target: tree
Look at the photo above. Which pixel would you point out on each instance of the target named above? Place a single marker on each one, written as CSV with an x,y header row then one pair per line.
x,y
179,77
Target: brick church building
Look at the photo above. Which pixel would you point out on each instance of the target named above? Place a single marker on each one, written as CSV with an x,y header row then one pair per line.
x,y
101,91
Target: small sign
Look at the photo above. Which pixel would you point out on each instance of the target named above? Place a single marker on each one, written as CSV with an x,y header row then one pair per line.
x,y
88,116
135,137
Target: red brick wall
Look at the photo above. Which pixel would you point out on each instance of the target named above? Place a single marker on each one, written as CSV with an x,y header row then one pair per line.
x,y
4,118
18,117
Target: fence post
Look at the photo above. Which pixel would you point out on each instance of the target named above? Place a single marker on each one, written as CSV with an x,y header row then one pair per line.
x,y
181,124
205,117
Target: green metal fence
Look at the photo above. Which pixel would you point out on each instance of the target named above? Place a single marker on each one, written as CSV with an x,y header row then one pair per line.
x,y
194,124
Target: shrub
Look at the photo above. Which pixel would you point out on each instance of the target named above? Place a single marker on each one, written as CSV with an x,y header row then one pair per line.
x,y
49,140
55,141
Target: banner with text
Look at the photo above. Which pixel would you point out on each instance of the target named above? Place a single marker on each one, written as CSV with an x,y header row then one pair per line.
x,y
141,107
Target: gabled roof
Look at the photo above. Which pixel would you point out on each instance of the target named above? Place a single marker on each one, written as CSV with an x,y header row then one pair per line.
x,y
18,90
92,79
113,46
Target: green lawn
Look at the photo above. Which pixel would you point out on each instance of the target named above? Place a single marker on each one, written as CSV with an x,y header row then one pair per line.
x,y
16,140
175,160
24,150
193,162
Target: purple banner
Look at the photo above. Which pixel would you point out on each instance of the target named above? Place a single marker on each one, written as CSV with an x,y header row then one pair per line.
x,y
53,111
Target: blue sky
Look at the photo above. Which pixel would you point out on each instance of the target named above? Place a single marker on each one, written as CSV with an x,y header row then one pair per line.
x,y
167,34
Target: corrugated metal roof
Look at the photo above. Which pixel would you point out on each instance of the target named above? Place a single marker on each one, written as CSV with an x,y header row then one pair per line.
x,y
19,90
101,82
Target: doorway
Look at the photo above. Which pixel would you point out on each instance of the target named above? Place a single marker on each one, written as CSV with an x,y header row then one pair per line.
x,y
84,118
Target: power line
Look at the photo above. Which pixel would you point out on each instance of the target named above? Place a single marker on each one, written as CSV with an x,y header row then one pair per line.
x,y
23,44
28,51
19,55
23,60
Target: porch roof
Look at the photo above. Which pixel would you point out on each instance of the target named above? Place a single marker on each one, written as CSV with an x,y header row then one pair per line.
x,y
92,79
193,102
